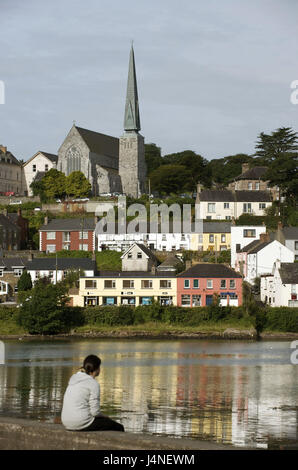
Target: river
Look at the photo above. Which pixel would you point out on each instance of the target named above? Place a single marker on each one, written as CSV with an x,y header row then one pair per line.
x,y
243,393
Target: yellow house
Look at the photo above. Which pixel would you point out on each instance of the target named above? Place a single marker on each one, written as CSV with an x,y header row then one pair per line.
x,y
216,236
127,288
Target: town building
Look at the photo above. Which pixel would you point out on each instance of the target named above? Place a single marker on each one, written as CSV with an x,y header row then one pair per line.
x,y
56,269
36,167
11,270
10,234
216,236
280,288
67,234
289,237
259,256
11,174
17,219
224,204
242,235
138,258
197,285
253,179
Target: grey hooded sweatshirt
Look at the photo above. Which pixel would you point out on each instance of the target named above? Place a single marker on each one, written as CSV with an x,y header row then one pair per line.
x,y
81,402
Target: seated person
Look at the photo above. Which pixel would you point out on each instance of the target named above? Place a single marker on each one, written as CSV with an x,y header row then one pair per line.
x,y
81,402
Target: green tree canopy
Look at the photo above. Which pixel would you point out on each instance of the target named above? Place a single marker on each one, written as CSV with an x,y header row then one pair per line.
x,y
170,179
25,282
269,147
153,157
77,185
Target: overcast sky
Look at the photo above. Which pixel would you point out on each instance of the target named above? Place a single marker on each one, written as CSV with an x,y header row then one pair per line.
x,y
211,74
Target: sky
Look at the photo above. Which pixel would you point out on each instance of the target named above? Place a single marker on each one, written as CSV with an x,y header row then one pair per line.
x,y
211,74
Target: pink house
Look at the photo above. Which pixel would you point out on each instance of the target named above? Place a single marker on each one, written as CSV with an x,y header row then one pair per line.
x,y
197,285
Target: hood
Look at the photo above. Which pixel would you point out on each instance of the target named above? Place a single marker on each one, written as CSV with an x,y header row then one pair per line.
x,y
79,377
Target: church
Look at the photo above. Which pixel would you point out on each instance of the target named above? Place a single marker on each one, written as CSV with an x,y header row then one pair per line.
x,y
111,164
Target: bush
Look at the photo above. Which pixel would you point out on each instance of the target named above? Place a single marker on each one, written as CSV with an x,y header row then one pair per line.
x,y
147,313
109,315
282,319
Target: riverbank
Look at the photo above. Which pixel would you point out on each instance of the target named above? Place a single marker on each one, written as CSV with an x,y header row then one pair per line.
x,y
220,331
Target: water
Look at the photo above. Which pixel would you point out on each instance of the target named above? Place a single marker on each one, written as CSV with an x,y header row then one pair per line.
x,y
235,392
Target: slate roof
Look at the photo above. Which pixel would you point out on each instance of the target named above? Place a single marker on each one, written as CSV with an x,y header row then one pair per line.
x,y
210,270
224,195
7,223
290,233
254,247
170,262
9,155
289,273
133,274
45,264
255,173
145,249
70,224
98,143
217,227
10,263
51,156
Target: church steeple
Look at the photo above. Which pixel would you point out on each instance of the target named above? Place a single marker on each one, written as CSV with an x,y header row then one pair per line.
x,y
132,116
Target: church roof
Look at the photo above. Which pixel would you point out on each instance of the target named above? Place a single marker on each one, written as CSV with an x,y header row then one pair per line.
x,y
98,143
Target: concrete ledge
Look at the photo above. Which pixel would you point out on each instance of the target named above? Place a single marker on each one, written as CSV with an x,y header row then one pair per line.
x,y
21,434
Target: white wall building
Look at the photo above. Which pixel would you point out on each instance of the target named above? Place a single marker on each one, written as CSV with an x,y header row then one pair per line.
x,y
280,289
57,268
242,235
40,163
225,204
258,257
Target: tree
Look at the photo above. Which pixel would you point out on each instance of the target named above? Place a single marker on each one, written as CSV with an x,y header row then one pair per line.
x,y
153,157
271,146
54,183
43,309
77,185
224,170
170,179
25,282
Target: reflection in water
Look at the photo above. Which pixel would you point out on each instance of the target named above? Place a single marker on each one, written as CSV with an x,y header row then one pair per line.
x,y
244,393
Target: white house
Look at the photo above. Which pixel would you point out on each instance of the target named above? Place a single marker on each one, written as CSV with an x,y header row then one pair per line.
x,y
259,256
37,166
57,268
280,289
242,235
227,204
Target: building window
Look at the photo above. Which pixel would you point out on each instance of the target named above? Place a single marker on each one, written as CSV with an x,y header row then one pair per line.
x,y
84,235
228,217
262,205
51,235
164,237
185,300
223,237
211,238
147,284
46,167
1,272
249,233
201,238
296,245
83,246
110,284
247,207
211,207
226,205
34,168
90,284
51,274
165,284
129,256
223,284
139,255
128,284
209,283
196,283
66,236
18,272
186,284
257,186
196,300
249,186
232,284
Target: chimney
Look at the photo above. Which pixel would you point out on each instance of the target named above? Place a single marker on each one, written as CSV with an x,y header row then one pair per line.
x,y
245,167
153,269
3,149
30,256
46,220
264,237
188,264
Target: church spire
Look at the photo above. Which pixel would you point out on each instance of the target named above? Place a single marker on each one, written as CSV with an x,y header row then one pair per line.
x,y
132,116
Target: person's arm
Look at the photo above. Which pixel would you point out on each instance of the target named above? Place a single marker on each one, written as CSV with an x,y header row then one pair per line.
x,y
94,400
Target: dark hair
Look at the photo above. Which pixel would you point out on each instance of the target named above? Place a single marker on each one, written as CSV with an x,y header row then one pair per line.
x,y
91,364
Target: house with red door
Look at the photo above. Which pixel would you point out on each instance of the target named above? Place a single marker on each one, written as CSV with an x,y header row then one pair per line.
x,y
67,234
197,285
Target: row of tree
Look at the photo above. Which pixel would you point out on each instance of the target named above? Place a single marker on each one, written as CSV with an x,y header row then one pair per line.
x,y
180,172
56,185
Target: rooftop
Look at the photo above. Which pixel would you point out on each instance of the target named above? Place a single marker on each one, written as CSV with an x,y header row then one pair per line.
x,y
87,223
289,273
210,270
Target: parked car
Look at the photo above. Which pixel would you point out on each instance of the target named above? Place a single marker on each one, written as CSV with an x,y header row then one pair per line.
x,y
106,194
37,209
15,202
80,200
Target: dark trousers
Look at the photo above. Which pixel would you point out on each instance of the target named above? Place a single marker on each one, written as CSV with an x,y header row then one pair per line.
x,y
101,423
